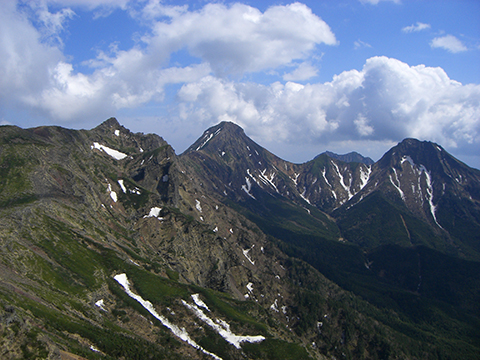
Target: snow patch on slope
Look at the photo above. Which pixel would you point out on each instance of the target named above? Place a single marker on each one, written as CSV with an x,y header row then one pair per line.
x,y
398,187
433,207
113,194
117,155
302,195
245,253
324,171
365,176
181,333
223,328
409,159
100,303
268,179
198,206
248,187
122,185
347,188
207,138
199,302
154,212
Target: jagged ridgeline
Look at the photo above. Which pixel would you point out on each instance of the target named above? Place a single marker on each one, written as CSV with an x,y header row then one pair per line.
x,y
114,247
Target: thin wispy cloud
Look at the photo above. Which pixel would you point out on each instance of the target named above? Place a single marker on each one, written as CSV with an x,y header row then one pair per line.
x,y
376,2
361,44
416,27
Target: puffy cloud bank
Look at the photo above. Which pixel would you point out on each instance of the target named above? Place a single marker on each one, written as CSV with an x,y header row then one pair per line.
x,y
384,102
387,100
233,39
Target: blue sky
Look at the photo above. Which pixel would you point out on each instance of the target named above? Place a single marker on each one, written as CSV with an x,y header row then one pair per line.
x,y
299,77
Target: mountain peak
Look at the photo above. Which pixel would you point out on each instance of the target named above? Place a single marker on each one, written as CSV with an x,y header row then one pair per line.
x,y
221,134
350,157
109,123
417,144
420,152
228,125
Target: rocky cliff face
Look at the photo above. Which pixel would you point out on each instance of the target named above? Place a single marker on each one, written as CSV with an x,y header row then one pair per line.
x,y
113,246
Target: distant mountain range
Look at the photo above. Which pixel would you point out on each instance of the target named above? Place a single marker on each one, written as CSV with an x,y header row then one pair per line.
x,y
113,246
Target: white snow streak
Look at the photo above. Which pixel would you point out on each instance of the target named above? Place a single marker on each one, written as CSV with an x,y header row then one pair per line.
x,y
197,205
296,178
268,179
100,304
199,302
274,306
223,328
365,176
409,159
181,333
248,187
325,177
395,185
113,194
428,179
245,253
205,142
207,139
117,132
303,195
253,177
117,155
347,188
334,194
122,185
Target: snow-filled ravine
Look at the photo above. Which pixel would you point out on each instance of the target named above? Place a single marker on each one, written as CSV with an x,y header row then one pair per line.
x,y
218,325
181,333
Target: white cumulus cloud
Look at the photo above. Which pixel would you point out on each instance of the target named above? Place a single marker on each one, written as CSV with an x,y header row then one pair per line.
x,y
304,71
448,42
231,39
385,102
26,62
239,38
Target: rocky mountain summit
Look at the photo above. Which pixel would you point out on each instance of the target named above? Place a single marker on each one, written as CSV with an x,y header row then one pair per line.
x,y
114,247
350,157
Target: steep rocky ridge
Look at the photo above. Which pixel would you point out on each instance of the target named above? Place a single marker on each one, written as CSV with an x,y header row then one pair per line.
x,y
434,188
80,207
223,221
242,169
